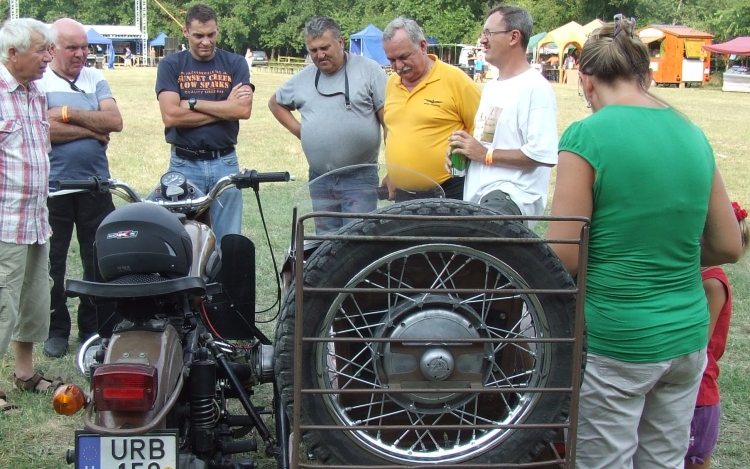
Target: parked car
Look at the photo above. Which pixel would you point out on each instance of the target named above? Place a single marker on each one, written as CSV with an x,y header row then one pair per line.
x,y
259,58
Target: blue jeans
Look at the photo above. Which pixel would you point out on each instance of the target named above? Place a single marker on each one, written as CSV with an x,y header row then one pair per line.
x,y
343,192
226,213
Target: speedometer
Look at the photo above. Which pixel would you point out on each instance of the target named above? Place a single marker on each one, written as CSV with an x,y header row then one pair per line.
x,y
173,178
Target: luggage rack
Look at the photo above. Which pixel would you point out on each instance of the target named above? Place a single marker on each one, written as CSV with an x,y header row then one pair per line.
x,y
549,457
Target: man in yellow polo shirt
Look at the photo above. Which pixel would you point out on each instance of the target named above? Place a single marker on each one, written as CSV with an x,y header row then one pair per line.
x,y
425,102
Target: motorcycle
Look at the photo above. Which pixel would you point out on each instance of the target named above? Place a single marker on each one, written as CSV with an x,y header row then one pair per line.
x,y
430,331
164,369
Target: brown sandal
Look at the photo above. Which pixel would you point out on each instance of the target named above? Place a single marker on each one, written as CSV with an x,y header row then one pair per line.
x,y
7,406
30,385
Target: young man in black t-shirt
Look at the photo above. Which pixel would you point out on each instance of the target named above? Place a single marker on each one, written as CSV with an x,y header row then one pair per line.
x,y
203,92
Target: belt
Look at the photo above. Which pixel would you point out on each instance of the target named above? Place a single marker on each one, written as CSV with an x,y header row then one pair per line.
x,y
188,154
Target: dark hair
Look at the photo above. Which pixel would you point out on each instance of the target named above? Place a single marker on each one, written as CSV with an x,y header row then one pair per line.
x,y
201,13
614,52
516,17
316,27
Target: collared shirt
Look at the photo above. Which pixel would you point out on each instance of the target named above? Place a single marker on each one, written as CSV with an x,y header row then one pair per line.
x,y
420,121
24,167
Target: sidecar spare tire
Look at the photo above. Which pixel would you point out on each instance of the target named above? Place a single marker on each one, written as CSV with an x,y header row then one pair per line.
x,y
455,366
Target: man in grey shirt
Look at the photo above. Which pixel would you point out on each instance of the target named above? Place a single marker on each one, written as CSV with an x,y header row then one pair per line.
x,y
341,103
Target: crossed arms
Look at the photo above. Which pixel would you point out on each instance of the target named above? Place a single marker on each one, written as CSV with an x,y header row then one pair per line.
x,y
85,124
177,113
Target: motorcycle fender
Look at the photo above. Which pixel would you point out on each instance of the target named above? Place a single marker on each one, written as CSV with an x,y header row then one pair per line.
x,y
162,350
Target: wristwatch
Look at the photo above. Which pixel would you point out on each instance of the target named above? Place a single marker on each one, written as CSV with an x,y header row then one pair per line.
x,y
191,103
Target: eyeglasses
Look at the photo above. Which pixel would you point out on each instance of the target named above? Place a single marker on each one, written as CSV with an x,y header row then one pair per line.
x,y
488,33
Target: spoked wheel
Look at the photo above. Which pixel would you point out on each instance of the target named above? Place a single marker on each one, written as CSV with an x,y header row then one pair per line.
x,y
450,362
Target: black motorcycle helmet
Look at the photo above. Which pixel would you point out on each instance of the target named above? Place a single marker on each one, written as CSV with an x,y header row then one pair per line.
x,y
143,238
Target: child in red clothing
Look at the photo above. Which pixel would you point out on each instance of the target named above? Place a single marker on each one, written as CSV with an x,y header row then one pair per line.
x,y
704,429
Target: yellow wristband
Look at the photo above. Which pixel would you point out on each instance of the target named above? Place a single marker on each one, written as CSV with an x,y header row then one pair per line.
x,y
65,114
488,158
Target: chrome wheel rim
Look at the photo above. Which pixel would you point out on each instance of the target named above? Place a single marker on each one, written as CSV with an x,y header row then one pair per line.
x,y
456,367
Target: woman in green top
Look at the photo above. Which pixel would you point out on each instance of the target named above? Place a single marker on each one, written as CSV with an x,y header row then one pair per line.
x,y
646,178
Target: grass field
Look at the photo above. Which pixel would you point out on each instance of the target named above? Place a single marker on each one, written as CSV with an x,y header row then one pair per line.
x,y
37,437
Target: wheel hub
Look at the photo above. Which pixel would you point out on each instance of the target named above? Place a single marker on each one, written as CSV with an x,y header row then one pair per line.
x,y
436,364
443,363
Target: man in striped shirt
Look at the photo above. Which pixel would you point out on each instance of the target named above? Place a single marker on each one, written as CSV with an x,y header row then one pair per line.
x,y
24,229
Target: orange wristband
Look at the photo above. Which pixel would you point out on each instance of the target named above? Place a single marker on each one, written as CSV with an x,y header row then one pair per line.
x,y
488,158
65,114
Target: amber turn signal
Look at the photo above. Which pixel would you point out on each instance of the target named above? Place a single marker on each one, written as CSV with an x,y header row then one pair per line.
x,y
68,399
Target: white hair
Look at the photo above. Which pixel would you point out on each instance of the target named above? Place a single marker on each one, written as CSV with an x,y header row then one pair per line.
x,y
17,34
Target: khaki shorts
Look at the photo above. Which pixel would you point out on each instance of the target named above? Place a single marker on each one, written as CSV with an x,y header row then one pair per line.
x,y
24,293
637,415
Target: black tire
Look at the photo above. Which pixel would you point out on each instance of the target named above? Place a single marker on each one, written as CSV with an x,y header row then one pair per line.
x,y
372,365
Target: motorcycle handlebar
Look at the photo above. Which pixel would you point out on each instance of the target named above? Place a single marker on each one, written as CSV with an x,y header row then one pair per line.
x,y
253,178
92,184
97,184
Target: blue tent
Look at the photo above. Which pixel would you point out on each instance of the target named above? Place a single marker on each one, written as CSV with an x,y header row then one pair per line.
x,y
369,43
158,41
95,38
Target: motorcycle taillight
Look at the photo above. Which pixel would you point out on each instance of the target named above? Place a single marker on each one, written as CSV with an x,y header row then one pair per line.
x,y
126,387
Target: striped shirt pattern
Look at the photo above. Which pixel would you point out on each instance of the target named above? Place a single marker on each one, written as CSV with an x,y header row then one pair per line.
x,y
24,166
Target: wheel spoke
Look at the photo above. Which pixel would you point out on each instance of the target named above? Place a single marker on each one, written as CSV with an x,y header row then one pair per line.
x,y
363,367
426,433
353,377
390,414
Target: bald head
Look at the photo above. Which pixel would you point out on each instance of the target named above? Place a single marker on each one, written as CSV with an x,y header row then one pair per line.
x,y
68,26
71,48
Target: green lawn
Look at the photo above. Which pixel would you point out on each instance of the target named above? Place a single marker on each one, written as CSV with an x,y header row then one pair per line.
x,y
38,438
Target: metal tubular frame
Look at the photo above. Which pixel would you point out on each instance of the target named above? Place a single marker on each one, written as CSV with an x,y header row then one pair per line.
x,y
567,461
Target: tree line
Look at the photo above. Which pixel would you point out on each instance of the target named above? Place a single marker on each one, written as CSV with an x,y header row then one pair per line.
x,y
276,25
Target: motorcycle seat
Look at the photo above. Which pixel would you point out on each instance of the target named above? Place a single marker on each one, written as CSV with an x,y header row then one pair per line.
x,y
135,286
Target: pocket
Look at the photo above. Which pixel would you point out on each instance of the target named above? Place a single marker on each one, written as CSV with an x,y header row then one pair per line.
x,y
176,162
5,313
630,378
11,134
369,176
230,160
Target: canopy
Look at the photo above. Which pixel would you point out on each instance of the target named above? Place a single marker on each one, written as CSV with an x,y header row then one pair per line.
x,y
95,38
571,33
369,43
534,40
591,26
158,41
737,46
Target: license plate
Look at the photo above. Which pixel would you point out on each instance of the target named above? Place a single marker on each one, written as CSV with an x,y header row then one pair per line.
x,y
156,450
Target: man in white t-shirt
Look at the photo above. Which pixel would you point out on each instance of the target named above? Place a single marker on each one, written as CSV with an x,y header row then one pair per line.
x,y
514,145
